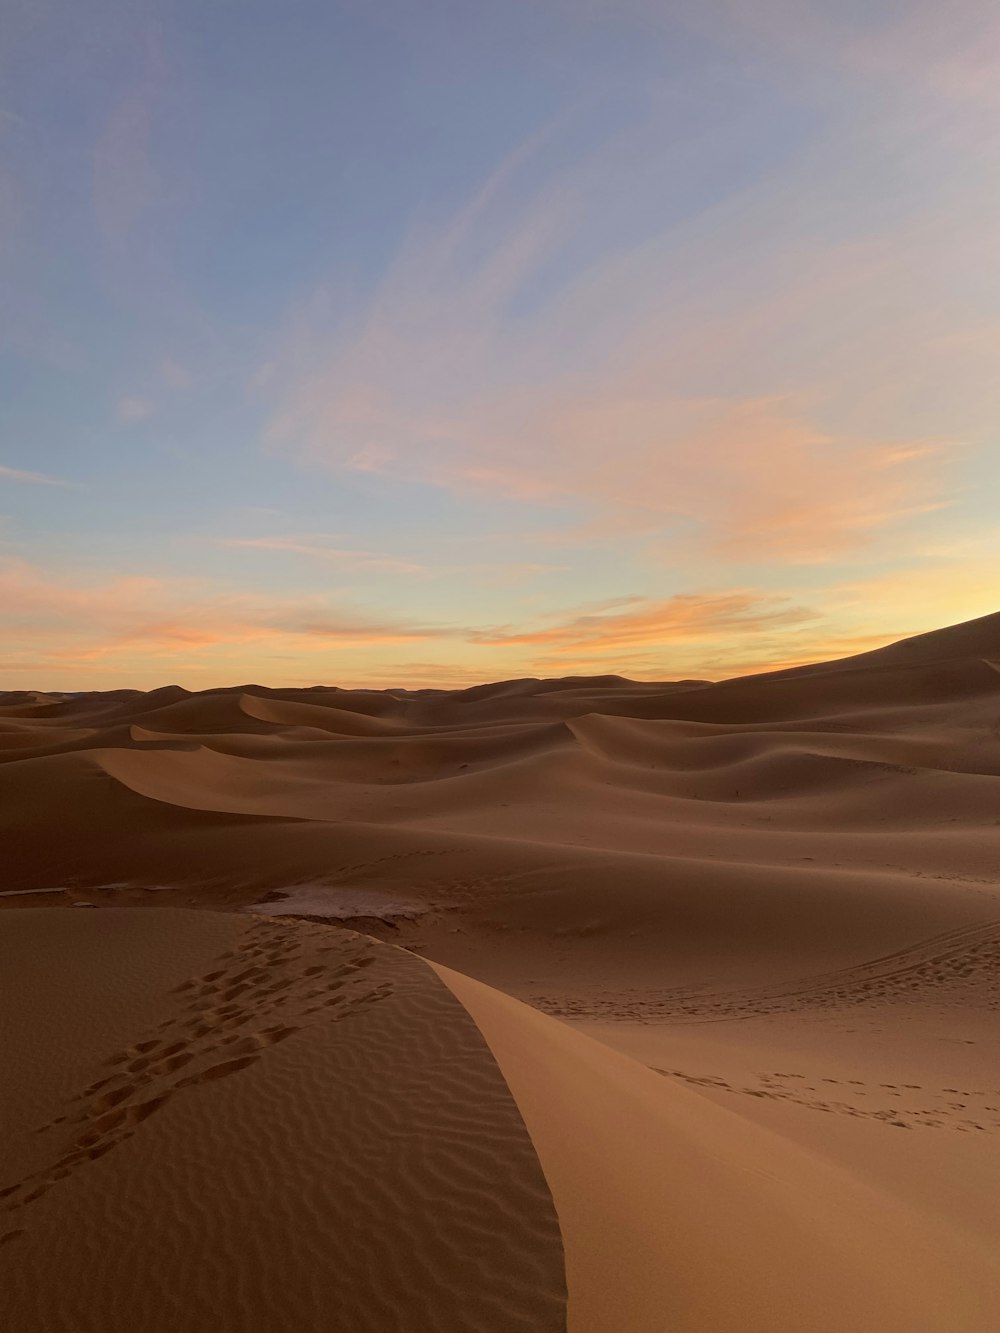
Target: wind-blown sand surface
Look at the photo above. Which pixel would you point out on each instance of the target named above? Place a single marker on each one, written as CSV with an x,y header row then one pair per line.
x,y
776,898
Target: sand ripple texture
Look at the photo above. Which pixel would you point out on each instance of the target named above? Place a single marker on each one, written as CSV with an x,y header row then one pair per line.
x,y
306,1132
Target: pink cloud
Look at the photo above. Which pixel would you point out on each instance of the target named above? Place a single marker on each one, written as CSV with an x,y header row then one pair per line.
x,y
174,375
743,383
132,410
750,479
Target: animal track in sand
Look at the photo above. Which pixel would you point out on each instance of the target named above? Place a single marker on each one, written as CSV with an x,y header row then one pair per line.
x,y
954,961
936,1111
226,1020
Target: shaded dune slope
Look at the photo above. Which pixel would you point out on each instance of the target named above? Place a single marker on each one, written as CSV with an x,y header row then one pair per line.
x,y
678,1214
304,1128
276,1125
550,818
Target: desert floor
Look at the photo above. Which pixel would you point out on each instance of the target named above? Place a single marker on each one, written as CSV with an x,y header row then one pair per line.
x,y
578,1004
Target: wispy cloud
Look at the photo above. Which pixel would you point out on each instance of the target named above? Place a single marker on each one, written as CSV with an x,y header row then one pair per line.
x,y
143,627
722,331
751,480
34,478
323,549
326,548
922,46
953,51
749,379
681,619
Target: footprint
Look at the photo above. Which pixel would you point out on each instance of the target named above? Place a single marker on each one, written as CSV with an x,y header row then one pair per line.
x,y
145,1109
249,974
219,1071
113,1099
175,1062
270,1036
95,1087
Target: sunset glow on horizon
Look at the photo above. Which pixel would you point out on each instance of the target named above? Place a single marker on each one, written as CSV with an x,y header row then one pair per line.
x,y
424,344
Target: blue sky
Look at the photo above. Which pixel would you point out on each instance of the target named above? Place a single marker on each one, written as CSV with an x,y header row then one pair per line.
x,y
430,343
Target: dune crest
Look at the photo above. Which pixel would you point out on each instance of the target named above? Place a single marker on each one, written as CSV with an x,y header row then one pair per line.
x,y
352,1137
305,1130
756,924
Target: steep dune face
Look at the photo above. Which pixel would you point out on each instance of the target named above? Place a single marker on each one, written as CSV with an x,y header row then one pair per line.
x,y
226,1121
678,1214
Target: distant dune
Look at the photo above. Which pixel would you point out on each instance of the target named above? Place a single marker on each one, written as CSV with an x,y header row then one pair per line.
x,y
767,912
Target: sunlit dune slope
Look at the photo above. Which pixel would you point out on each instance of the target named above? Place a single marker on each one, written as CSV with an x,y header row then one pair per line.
x,y
220,1120
802,818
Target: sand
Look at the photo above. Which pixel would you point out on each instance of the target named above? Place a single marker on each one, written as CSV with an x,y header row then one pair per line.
x,y
250,1125
580,1004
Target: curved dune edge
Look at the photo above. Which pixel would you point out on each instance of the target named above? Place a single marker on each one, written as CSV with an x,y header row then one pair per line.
x,y
285,1124
795,872
678,1214
224,1124
588,843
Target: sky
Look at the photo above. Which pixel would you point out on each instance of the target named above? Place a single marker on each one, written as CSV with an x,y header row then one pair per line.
x,y
428,342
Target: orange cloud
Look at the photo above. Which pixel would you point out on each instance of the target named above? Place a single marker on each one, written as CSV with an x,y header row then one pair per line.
x,y
142,630
684,618
50,616
751,480
848,618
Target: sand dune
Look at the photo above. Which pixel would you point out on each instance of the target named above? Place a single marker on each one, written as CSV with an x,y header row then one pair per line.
x,y
776,897
675,1215
710,799
261,1126
302,1128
